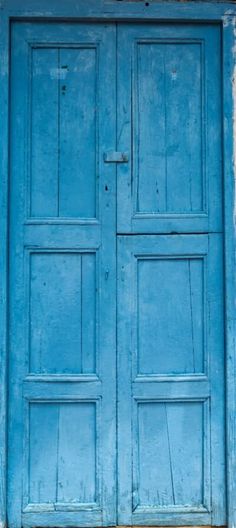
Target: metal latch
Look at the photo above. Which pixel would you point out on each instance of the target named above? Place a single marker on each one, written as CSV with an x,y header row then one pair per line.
x,y
112,156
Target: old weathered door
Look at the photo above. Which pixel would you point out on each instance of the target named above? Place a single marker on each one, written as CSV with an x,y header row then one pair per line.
x,y
62,385
170,313
82,96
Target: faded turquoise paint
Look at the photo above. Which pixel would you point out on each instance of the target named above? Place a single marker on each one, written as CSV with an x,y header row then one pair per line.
x,y
171,322
167,463
170,311
169,96
62,395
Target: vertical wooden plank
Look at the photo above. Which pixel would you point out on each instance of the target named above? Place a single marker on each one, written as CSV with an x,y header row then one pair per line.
x,y
215,347
107,273
214,129
229,101
77,453
197,310
149,121
170,316
17,318
124,135
78,141
44,141
186,437
154,464
127,494
168,95
55,313
170,454
43,447
184,77
88,313
4,81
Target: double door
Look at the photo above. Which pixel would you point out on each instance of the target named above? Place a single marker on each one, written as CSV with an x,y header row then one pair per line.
x,y
116,341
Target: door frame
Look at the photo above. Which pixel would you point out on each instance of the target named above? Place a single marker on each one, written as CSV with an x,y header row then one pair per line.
x,y
214,11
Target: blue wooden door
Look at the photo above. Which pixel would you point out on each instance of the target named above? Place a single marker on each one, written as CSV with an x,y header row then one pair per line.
x,y
62,384
170,296
115,424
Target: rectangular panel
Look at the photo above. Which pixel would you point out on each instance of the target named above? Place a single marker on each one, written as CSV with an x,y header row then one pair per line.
x,y
170,172
169,120
62,313
170,315
62,453
63,154
170,451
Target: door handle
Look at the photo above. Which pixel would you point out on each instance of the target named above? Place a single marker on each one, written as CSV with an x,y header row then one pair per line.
x,y
112,156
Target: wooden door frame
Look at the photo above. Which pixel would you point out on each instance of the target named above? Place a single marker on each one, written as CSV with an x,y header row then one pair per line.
x,y
214,11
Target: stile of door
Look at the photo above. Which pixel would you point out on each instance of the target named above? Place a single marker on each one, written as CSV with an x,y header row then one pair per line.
x,y
171,461
62,392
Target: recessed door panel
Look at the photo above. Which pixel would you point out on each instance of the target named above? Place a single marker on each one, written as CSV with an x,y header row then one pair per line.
x,y
169,456
168,93
63,312
170,296
62,437
169,118
63,133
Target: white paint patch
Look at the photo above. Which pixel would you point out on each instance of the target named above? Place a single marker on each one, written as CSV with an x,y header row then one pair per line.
x,y
226,20
57,73
173,75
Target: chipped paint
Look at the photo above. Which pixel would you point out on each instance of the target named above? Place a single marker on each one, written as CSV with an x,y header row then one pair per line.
x,y
55,73
234,119
234,140
227,20
110,490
